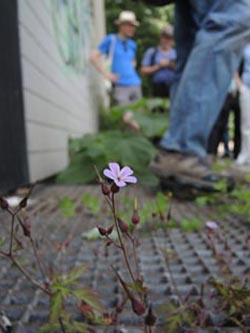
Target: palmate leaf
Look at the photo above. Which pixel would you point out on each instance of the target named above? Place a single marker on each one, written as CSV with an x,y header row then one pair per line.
x,y
99,149
90,297
73,276
56,305
152,124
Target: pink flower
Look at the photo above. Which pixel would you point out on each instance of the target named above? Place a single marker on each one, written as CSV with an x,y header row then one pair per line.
x,y
212,225
118,175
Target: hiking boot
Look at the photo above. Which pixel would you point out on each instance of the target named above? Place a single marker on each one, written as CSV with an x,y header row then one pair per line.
x,y
182,166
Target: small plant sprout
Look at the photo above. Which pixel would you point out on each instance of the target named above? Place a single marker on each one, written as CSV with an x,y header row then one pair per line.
x,y
59,285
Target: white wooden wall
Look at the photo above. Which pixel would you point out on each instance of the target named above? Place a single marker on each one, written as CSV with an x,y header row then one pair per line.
x,y
59,102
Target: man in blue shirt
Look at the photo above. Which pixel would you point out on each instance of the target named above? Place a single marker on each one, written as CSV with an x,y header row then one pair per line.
x,y
122,49
159,62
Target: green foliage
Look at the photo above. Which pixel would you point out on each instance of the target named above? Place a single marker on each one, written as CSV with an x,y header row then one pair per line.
x,y
151,124
234,298
66,286
190,224
101,148
91,202
178,317
236,202
68,207
239,202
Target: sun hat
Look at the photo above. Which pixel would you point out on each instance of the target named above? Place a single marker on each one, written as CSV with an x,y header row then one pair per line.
x,y
168,30
127,16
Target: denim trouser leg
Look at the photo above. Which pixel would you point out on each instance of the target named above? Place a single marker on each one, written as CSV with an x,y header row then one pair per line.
x,y
221,29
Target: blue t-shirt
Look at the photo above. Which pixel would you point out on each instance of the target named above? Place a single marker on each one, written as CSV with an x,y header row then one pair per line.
x,y
246,67
123,57
163,75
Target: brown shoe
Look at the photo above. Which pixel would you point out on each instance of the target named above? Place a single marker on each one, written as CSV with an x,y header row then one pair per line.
x,y
167,164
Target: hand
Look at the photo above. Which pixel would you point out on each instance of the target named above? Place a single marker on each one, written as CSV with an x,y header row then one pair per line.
x,y
111,77
163,63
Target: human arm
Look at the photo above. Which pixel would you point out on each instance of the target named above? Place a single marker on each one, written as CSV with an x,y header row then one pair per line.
x,y
95,58
149,70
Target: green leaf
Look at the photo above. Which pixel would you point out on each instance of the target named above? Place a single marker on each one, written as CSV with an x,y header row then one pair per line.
x,y
152,125
91,202
99,149
161,202
90,297
74,275
56,305
68,207
138,287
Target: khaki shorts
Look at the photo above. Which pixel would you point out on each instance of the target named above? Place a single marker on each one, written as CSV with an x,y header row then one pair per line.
x,y
124,95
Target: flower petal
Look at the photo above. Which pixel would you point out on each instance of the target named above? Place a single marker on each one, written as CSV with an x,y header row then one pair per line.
x,y
115,168
130,179
126,171
109,174
119,183
212,225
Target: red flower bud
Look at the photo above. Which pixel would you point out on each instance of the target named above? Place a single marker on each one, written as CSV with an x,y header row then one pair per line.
x,y
119,308
138,307
135,217
105,189
102,231
4,203
23,202
110,229
115,188
26,227
122,225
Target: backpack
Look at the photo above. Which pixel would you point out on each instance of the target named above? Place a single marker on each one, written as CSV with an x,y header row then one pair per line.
x,y
153,57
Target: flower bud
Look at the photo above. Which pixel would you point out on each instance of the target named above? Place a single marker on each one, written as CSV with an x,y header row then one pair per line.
x,y
110,229
150,318
138,307
4,203
115,188
135,217
102,231
26,227
119,308
122,225
105,189
23,202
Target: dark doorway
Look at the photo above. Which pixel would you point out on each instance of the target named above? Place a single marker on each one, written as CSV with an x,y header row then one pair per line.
x,y
13,156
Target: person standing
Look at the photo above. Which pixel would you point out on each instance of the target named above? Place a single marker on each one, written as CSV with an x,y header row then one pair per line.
x,y
243,84
122,48
209,37
159,63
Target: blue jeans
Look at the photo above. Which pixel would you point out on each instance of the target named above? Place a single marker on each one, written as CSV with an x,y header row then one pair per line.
x,y
210,36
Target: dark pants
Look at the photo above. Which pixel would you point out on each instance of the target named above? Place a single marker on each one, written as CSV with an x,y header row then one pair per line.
x,y
217,133
160,90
